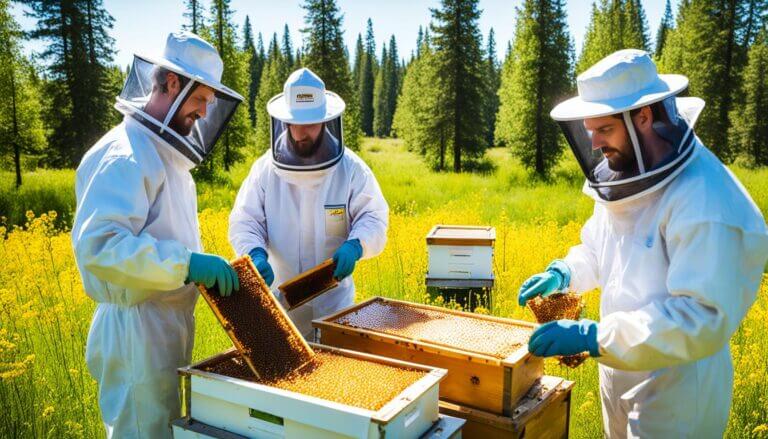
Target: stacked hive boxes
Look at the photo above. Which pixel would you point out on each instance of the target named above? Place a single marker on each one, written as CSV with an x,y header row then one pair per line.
x,y
493,381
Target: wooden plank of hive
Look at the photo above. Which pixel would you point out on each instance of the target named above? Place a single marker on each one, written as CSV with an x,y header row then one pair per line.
x,y
544,416
309,284
258,326
474,379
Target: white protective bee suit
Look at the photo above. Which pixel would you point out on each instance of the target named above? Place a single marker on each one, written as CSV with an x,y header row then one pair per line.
x,y
134,231
301,209
678,252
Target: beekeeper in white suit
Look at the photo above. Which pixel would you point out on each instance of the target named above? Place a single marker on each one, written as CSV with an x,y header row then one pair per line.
x,y
136,236
309,198
675,244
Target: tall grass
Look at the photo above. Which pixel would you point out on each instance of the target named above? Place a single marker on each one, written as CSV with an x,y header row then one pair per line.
x,y
45,389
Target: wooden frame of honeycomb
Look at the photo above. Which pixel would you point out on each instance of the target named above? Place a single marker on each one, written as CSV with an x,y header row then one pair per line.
x,y
258,326
308,285
483,374
556,307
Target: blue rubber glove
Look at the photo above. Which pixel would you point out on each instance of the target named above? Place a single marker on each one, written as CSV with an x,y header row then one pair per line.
x,y
259,258
211,270
565,337
345,258
556,278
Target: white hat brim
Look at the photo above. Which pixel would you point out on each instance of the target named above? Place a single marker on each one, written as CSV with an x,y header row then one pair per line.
x,y
277,107
180,69
690,108
576,108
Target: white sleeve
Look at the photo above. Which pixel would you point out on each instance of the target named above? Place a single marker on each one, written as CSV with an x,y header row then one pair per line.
x,y
369,212
714,272
582,258
247,221
107,232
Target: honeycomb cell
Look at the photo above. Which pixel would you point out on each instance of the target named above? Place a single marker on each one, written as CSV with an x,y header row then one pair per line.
x,y
556,307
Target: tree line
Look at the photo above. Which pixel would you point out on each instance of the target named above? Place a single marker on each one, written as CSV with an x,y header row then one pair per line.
x,y
449,100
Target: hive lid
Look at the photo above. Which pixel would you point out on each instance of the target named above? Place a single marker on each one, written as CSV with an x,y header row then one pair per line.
x,y
309,284
461,235
258,326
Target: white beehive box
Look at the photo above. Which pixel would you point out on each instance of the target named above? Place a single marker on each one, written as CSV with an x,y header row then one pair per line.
x,y
256,410
460,252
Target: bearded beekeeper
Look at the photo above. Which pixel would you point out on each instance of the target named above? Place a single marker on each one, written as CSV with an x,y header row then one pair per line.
x,y
136,236
675,243
309,198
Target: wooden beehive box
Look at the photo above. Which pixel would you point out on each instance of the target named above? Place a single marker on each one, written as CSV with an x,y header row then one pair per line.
x,y
476,378
460,252
544,412
249,408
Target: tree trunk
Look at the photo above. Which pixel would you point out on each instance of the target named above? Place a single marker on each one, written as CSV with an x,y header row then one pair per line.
x,y
16,146
539,103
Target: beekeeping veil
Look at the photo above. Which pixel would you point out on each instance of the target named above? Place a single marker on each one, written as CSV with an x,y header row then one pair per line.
x,y
618,85
197,64
305,101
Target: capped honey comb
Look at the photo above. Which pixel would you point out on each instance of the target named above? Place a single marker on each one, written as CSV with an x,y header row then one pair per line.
x,y
310,284
259,328
555,307
495,339
334,377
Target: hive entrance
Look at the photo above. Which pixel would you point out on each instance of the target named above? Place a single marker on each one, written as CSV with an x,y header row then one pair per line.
x,y
259,328
556,307
334,377
481,336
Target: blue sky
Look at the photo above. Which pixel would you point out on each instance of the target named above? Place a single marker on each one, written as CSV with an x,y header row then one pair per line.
x,y
142,25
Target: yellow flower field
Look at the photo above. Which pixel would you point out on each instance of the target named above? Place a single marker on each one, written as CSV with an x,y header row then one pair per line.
x,y
46,391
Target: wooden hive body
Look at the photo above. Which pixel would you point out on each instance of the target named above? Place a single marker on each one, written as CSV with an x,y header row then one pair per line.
x,y
476,380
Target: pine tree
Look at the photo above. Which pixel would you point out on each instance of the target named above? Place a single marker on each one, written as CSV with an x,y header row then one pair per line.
x,y
708,46
255,60
750,128
456,37
492,81
393,84
194,16
287,48
538,78
273,78
420,116
222,34
326,55
381,95
80,89
357,65
21,125
614,25
667,23
366,81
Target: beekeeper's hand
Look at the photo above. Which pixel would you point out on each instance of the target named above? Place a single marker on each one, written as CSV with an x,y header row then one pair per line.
x,y
259,257
565,337
211,270
555,279
345,258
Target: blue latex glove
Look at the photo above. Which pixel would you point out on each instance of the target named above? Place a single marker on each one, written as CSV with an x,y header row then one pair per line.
x,y
345,258
556,278
564,337
211,270
259,258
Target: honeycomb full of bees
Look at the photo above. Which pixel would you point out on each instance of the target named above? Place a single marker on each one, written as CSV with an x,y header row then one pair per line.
x,y
258,326
334,377
492,338
555,307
